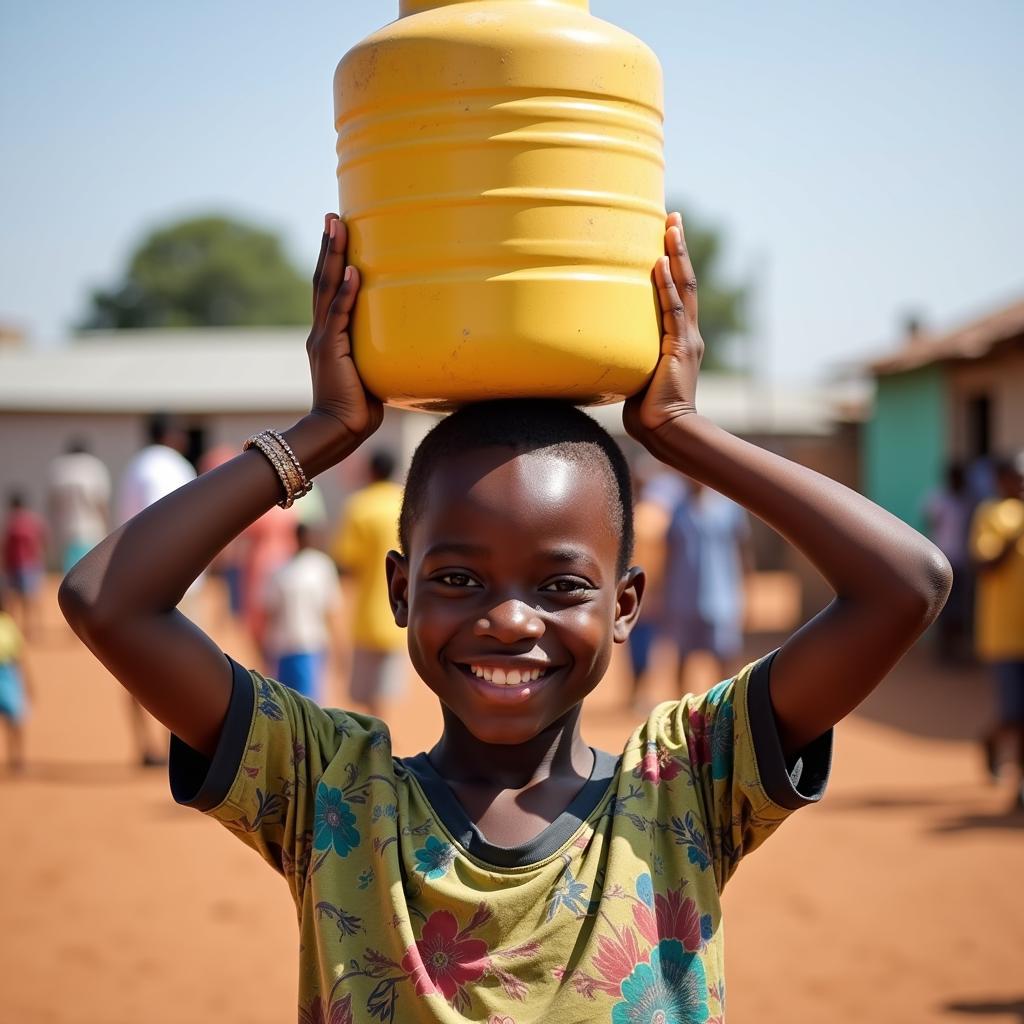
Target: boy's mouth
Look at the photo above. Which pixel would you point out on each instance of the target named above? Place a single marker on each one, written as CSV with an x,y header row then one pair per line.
x,y
505,683
504,676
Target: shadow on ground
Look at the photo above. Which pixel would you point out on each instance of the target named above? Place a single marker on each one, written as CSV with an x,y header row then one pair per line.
x,y
926,698
70,773
988,1008
1011,821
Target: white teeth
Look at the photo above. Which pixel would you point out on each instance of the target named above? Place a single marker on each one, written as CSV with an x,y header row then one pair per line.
x,y
501,677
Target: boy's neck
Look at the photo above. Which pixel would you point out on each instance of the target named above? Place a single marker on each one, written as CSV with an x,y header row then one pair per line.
x,y
557,752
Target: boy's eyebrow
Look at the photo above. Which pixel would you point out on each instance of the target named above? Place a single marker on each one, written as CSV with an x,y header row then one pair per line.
x,y
455,547
566,554
569,555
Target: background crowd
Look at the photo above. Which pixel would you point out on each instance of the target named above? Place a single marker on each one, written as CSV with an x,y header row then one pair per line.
x,y
281,581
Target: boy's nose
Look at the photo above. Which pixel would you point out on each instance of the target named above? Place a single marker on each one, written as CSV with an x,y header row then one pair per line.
x,y
510,621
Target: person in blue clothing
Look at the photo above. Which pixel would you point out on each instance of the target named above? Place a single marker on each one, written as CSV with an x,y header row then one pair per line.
x,y
708,554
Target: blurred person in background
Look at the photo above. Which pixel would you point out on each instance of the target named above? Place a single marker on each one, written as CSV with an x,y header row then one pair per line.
x,y
266,546
78,498
24,559
228,562
997,546
157,470
651,518
947,513
368,531
15,689
709,553
303,602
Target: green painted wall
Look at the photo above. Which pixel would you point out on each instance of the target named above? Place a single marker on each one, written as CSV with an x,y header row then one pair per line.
x,y
906,447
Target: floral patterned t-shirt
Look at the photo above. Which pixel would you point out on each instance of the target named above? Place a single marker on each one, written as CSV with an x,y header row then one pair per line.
x,y
408,914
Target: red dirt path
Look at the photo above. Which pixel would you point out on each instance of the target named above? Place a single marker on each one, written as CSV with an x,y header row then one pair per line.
x,y
897,899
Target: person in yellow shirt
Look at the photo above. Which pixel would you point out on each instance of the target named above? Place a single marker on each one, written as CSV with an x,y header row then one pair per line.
x,y
997,546
15,689
368,531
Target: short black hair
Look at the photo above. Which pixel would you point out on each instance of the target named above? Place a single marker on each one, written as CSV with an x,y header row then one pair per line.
x,y
524,424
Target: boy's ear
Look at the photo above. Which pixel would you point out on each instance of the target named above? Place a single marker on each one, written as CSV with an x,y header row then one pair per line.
x,y
397,568
627,603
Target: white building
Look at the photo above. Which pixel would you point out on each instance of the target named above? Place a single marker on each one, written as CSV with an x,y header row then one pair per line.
x,y
225,384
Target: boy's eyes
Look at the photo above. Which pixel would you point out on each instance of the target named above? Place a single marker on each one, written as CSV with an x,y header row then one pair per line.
x,y
567,585
563,585
458,579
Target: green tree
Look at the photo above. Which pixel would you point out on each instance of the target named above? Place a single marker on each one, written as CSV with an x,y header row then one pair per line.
x,y
723,305
204,272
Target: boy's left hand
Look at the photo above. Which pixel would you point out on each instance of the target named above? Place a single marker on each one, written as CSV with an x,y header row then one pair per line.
x,y
671,392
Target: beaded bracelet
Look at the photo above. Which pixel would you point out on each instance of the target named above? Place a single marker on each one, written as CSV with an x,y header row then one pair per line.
x,y
304,484
289,471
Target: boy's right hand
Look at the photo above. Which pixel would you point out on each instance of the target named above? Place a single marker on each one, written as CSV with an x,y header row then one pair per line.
x,y
671,393
338,391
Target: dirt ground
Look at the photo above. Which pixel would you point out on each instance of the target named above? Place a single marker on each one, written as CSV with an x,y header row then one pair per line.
x,y
899,898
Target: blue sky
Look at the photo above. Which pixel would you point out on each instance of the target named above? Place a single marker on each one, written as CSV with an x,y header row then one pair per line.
x,y
863,158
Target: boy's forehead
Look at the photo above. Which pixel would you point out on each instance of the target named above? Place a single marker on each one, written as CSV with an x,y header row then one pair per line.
x,y
543,489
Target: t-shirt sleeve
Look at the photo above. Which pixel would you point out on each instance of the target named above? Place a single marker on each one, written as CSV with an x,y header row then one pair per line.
x,y
262,779
743,785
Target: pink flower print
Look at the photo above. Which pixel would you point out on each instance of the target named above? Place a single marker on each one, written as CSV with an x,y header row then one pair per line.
x,y
700,745
443,960
657,765
615,959
673,918
495,1019
678,919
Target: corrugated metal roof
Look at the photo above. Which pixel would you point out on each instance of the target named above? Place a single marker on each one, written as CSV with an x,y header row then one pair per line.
x,y
263,370
971,341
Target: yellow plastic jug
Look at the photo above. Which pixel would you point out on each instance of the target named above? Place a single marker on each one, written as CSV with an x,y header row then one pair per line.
x,y
501,170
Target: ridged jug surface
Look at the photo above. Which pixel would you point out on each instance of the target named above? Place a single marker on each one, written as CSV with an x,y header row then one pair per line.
x,y
500,167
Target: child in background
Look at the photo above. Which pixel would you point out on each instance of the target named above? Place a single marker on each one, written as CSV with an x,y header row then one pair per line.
x,y
997,546
15,689
368,531
24,559
511,872
302,601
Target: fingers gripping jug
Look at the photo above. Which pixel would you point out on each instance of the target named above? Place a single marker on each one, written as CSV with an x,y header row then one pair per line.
x,y
500,167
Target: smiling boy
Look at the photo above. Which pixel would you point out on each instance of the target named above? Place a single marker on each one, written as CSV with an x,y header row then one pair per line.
x,y
511,873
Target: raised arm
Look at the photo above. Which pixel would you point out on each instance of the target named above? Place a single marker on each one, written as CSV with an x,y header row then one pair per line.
x,y
889,581
121,598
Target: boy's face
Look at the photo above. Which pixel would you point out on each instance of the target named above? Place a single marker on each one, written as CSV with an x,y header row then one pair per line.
x,y
511,570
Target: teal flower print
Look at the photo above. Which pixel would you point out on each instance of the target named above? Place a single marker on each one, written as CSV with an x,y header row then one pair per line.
x,y
671,989
722,736
434,858
645,889
334,823
569,894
